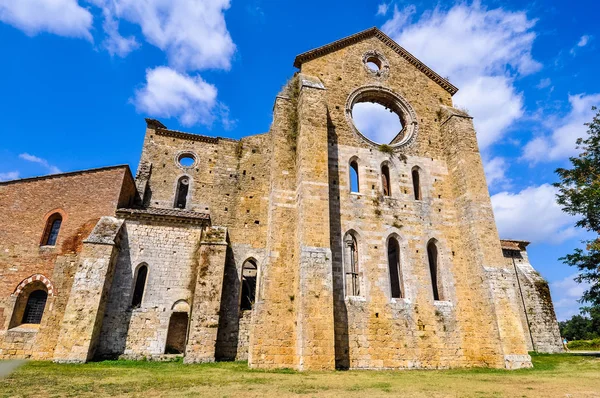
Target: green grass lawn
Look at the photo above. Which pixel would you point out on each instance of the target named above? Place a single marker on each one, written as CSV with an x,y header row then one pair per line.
x,y
561,375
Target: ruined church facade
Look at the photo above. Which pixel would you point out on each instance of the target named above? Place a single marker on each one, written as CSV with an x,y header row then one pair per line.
x,y
307,247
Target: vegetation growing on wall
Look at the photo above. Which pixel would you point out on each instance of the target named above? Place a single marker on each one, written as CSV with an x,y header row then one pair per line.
x,y
385,148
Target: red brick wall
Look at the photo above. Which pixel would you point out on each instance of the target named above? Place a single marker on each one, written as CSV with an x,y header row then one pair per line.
x,y
82,198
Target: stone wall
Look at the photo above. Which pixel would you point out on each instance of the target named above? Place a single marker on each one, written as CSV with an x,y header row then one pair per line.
x,y
82,321
537,311
168,249
283,199
82,198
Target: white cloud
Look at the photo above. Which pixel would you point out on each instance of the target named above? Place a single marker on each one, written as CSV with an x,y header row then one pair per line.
x,y
382,9
60,17
544,83
560,144
495,171
192,33
10,175
34,159
376,122
494,103
116,44
532,215
583,41
481,50
168,93
565,293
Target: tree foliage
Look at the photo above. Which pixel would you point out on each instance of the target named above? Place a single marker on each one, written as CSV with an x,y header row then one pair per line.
x,y
581,327
579,195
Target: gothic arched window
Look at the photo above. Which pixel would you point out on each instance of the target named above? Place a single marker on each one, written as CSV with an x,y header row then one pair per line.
x,y
351,264
434,269
354,183
140,285
416,180
183,186
393,252
52,229
385,180
249,272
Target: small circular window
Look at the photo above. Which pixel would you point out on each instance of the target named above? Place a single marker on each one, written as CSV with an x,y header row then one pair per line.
x,y
186,159
376,64
380,116
373,64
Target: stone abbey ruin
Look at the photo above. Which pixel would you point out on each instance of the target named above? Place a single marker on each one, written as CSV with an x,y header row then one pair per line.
x,y
306,247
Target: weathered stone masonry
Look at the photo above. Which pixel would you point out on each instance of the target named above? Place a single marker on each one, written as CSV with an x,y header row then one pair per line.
x,y
404,270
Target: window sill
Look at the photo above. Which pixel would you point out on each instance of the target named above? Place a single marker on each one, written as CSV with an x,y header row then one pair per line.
x,y
356,298
443,303
26,328
400,300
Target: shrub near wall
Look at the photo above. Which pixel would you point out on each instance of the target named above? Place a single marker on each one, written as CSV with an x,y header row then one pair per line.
x,y
588,345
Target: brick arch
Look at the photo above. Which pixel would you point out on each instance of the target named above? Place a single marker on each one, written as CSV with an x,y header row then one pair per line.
x,y
34,278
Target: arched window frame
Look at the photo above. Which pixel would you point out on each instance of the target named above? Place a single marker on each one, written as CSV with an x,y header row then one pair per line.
x,y
135,302
433,260
354,166
178,191
352,268
22,296
395,269
252,295
386,181
35,307
417,182
53,225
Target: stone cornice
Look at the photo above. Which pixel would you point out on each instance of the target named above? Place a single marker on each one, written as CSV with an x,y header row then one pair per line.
x,y
375,32
165,216
190,136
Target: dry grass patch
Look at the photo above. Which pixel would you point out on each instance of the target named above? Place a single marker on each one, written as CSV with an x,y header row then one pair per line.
x,y
553,376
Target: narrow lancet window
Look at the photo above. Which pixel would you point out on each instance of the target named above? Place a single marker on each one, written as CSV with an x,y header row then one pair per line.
x,y
249,273
354,184
432,254
52,229
182,192
34,310
140,284
394,267
385,180
351,265
416,183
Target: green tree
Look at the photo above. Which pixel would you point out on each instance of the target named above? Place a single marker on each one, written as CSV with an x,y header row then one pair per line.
x,y
579,195
578,327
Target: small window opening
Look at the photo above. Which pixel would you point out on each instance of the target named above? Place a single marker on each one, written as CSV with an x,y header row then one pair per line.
x,y
385,180
394,267
177,333
186,160
432,255
351,265
34,310
354,185
249,272
416,183
183,187
140,284
374,64
52,229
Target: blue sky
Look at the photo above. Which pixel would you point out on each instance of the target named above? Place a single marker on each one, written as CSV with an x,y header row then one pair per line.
x,y
80,76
